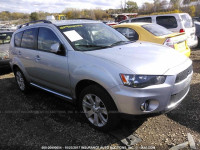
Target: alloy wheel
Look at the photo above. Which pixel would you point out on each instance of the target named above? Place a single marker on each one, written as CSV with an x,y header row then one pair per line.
x,y
95,110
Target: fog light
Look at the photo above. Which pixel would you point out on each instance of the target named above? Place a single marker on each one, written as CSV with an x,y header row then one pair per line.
x,y
144,106
149,105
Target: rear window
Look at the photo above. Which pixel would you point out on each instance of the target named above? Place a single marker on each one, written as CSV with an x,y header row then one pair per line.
x,y
156,30
29,38
187,21
167,21
18,38
146,19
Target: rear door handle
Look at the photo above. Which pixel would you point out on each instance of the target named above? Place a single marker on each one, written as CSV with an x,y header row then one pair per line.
x,y
37,58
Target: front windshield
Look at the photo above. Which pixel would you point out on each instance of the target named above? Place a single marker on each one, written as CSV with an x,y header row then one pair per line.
x,y
92,36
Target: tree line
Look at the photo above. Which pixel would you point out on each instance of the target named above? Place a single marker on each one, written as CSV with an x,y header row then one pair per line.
x,y
127,6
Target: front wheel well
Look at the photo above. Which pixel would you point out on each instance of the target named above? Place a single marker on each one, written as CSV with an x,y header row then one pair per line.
x,y
15,67
85,83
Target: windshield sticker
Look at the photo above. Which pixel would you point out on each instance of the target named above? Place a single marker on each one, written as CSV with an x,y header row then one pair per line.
x,y
73,35
73,26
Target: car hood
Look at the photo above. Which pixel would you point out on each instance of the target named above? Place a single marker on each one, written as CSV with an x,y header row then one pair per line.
x,y
142,57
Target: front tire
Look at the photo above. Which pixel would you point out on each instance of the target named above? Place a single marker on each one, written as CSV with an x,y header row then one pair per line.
x,y
21,81
98,108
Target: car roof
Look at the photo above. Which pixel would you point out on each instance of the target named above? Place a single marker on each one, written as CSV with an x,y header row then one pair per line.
x,y
133,24
38,23
73,21
160,15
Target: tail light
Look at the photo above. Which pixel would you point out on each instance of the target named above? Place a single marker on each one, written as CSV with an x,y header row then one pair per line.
x,y
169,43
182,30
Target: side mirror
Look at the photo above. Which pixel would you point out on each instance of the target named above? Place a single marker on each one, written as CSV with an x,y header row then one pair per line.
x,y
55,48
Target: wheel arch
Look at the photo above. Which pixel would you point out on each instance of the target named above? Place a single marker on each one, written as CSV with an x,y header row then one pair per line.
x,y
81,85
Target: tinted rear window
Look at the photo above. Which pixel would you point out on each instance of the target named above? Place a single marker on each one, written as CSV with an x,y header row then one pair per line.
x,y
167,21
146,19
29,38
156,30
187,21
18,38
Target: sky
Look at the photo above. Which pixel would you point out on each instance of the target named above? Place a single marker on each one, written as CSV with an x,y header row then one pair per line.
x,y
57,6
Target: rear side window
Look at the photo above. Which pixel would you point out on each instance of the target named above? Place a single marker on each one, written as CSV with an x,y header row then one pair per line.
x,y
46,38
29,38
18,39
129,33
146,19
167,21
156,30
187,21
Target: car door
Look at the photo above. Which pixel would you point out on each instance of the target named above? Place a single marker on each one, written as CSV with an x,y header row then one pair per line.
x,y
25,47
52,69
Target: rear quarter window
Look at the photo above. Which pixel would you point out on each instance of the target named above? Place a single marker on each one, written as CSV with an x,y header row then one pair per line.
x,y
146,19
187,21
167,21
18,39
131,34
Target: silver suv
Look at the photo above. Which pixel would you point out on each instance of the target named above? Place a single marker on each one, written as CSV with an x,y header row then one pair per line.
x,y
96,67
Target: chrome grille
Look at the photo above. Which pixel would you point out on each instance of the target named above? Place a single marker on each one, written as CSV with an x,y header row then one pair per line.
x,y
182,75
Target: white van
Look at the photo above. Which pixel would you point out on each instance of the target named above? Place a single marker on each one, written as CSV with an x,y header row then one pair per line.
x,y
178,22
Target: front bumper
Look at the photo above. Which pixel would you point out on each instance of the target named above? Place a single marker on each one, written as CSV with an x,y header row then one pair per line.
x,y
163,97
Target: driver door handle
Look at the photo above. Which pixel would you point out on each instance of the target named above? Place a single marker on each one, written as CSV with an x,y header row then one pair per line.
x,y
37,58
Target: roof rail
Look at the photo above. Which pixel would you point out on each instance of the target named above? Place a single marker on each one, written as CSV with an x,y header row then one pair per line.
x,y
32,22
83,19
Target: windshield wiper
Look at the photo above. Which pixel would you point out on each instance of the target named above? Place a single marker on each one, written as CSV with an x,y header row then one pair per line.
x,y
119,42
91,45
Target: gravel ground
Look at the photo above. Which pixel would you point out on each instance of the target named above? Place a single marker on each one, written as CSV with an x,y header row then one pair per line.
x,y
40,119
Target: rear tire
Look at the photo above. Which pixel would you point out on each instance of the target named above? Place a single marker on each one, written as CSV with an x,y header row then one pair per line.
x,y
21,81
98,108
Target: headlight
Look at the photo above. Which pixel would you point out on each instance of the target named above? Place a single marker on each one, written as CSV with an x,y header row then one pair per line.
x,y
141,81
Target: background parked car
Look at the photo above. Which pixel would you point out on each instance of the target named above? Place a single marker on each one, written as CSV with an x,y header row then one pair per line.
x,y
178,22
197,25
196,19
5,37
154,33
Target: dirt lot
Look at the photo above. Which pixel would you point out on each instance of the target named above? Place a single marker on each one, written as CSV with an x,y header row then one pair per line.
x,y
40,119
